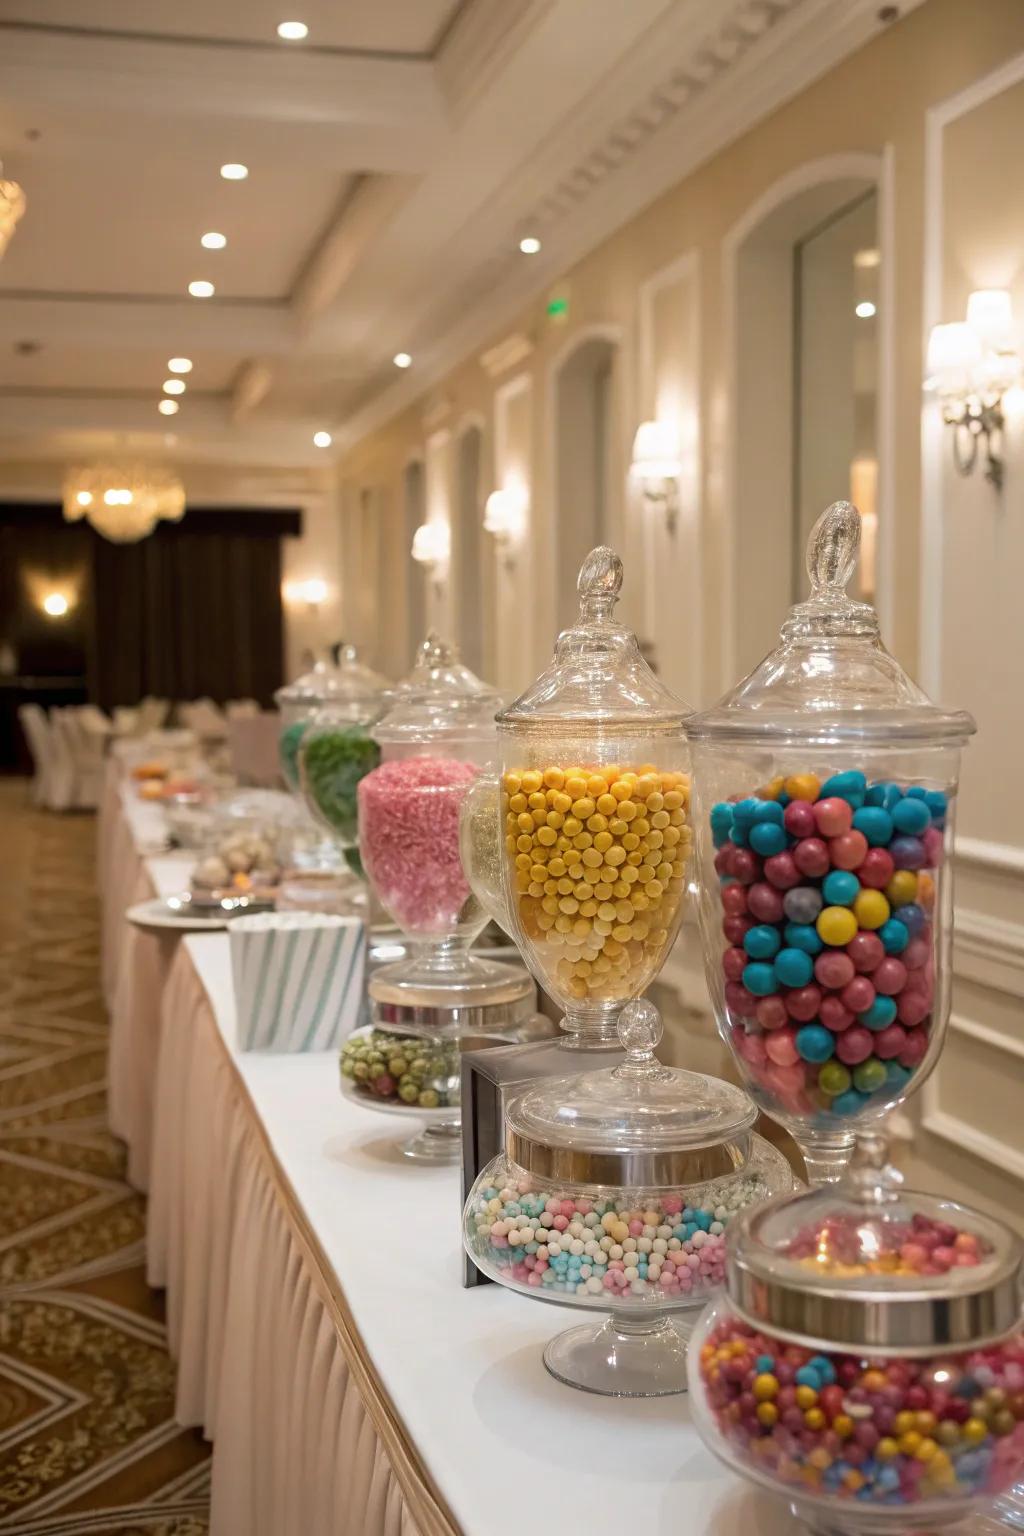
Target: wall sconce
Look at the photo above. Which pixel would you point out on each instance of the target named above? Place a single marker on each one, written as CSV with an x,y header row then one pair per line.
x,y
971,365
55,605
432,545
311,593
657,465
505,518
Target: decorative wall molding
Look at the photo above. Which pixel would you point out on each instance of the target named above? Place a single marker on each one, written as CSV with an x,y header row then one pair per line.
x,y
989,951
1006,858
436,412
507,354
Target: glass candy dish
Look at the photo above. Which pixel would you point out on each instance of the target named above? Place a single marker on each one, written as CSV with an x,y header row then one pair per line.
x,y
613,1195
433,739
825,797
349,684
587,867
866,1361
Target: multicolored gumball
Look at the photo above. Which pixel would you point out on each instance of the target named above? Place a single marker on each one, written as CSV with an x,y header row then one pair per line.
x,y
828,891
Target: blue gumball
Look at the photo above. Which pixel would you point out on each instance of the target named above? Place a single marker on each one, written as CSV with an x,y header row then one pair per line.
x,y
850,786
803,936
849,1103
885,795
937,805
840,888
793,967
894,935
911,816
767,837
770,811
760,979
762,942
881,1013
815,1043
875,823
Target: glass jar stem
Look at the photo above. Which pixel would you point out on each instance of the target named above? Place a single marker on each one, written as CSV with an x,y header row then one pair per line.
x,y
825,1157
596,1028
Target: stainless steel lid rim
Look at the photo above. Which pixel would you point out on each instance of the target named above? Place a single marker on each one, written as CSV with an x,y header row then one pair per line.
x,y
627,1167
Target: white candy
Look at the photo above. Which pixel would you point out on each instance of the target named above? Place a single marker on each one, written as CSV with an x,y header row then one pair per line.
x,y
543,1251
615,1251
698,1239
576,1248
554,1249
665,1232
630,1273
644,1244
629,1243
650,1231
659,1245
594,1287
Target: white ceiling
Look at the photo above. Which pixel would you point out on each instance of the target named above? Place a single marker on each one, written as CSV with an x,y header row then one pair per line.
x,y
394,161
387,26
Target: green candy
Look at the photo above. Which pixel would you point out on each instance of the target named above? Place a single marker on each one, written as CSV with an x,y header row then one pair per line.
x,y
288,744
332,765
834,1078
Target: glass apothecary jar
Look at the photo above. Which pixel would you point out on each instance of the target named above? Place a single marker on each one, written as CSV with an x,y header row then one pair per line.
x,y
613,1195
433,741
825,793
594,815
353,688
866,1361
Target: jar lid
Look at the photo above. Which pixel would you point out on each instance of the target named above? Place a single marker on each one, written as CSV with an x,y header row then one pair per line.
x,y
597,674
830,678
349,681
637,1125
439,698
476,994
866,1266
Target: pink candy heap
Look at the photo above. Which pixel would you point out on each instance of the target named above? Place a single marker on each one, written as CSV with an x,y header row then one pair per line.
x,y
409,840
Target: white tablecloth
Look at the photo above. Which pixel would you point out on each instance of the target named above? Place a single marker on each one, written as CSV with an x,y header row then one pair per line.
x,y
350,1384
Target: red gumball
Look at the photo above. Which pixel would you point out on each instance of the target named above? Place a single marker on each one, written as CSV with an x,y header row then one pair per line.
x,y
858,994
854,1045
890,1041
866,950
810,855
834,1014
781,1048
917,953
833,969
849,850
750,1047
913,1008
737,928
802,1003
765,902
877,869
739,1000
772,1012
833,816
798,819
734,962
890,977
734,900
915,1050
723,859
781,871
745,866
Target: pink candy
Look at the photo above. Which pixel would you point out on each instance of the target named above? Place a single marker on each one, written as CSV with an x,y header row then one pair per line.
x,y
409,839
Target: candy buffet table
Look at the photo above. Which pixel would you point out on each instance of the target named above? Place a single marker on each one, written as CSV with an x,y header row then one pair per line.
x,y
351,1386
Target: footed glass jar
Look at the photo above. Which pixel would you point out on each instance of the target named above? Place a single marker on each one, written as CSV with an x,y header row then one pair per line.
x,y
353,687
613,1194
867,1361
825,799
594,814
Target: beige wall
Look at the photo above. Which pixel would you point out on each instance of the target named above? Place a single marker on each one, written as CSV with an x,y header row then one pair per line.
x,y
951,213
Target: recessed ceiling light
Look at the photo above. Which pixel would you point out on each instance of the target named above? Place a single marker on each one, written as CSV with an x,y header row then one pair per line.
x,y
234,172
292,31
201,289
179,365
870,257
213,241
402,360
174,386
322,439
168,407
529,245
864,310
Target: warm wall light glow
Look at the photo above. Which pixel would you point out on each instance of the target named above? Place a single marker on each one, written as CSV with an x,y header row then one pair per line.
x,y
212,241
505,512
174,386
234,172
179,365
292,31
118,497
952,349
312,592
529,245
865,309
168,407
55,604
866,259
656,451
322,439
201,289
990,316
432,543
402,360
84,499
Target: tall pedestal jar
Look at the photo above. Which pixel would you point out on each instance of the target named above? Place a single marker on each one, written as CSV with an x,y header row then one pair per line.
x,y
441,999
825,803
593,831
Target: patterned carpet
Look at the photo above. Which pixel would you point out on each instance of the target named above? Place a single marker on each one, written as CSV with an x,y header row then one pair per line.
x,y
88,1442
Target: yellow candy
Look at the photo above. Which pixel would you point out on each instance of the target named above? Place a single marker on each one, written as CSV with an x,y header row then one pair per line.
x,y
871,909
802,786
767,1414
974,1431
814,1418
902,888
806,1397
886,1448
765,1386
836,925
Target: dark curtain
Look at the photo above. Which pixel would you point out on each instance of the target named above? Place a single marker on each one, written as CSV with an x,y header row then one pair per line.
x,y
188,612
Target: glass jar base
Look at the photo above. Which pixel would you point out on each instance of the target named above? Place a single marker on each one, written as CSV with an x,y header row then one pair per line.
x,y
440,1144
620,1360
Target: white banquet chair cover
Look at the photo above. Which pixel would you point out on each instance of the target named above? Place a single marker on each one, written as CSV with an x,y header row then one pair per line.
x,y
37,732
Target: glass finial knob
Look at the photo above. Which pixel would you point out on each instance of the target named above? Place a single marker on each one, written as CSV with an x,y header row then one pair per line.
x,y
599,583
833,547
639,1027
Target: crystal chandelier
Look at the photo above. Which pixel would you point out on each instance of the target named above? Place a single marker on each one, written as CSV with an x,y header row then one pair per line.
x,y
123,501
12,206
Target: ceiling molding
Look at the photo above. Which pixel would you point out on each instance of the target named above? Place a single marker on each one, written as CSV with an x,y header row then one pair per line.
x,y
368,207
507,354
759,55
479,44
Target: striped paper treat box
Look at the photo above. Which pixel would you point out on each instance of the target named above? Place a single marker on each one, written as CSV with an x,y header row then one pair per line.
x,y
298,979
